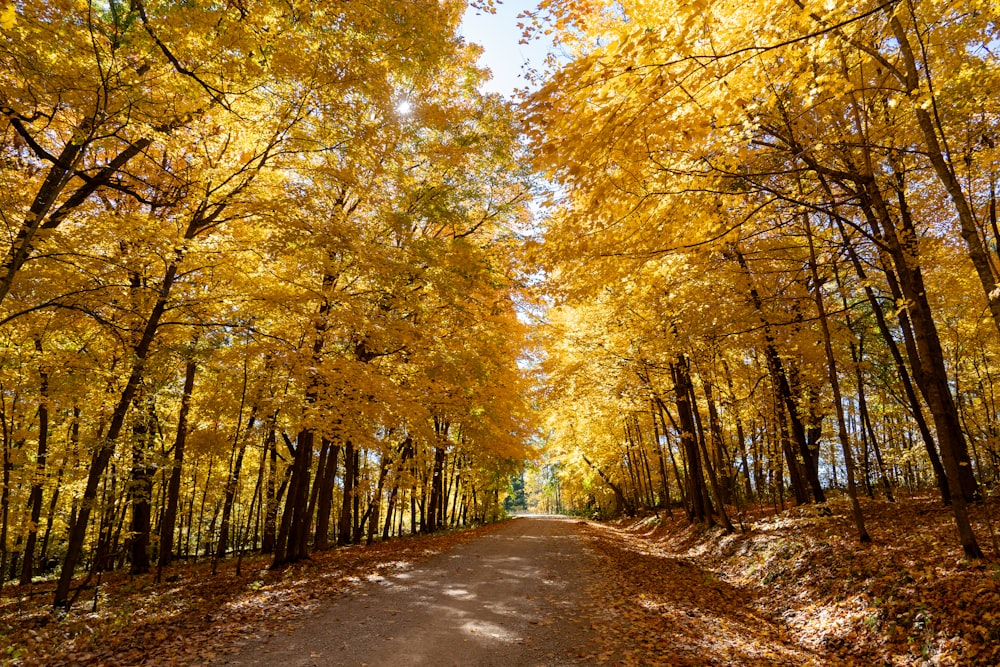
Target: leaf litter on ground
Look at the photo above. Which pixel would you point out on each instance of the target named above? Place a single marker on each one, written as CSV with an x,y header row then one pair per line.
x,y
793,588
193,617
797,588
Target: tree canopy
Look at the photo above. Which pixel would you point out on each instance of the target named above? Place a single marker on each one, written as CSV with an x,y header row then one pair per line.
x,y
261,282
771,245
278,275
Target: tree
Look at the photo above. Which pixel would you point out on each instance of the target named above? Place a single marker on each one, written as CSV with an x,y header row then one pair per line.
x,y
224,240
711,128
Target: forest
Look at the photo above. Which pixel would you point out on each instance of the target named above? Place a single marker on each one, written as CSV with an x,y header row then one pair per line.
x,y
260,285
773,255
278,276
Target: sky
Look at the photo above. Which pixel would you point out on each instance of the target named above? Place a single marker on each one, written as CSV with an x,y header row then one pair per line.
x,y
499,35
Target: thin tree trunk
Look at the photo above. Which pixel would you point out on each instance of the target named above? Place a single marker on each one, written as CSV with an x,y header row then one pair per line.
x,y
405,453
916,408
831,361
201,507
934,383
740,432
240,441
5,491
269,535
317,485
437,481
723,467
105,450
866,424
968,227
374,507
619,494
242,539
35,496
168,524
700,506
794,468
681,490
344,532
664,484
899,248
362,481
717,490
809,469
281,543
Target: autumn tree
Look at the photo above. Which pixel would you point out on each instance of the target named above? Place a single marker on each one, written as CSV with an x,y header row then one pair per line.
x,y
269,257
714,127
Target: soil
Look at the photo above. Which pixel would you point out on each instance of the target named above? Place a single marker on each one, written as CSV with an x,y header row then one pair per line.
x,y
517,596
539,591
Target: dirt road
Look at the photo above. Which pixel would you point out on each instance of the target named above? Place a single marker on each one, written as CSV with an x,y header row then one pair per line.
x,y
515,597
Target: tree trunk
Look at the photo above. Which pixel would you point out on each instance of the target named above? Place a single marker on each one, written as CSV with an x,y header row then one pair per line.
x,y
105,450
359,469
374,506
241,539
269,535
903,247
437,488
681,486
701,507
794,468
809,468
405,453
232,484
290,545
944,170
344,532
169,522
664,485
723,466
35,496
831,361
324,503
740,432
317,485
619,494
141,493
713,478
916,407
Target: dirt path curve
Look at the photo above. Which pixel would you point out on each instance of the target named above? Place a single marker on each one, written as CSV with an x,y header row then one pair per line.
x,y
514,597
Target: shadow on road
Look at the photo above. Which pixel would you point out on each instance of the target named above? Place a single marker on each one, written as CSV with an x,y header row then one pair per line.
x,y
510,598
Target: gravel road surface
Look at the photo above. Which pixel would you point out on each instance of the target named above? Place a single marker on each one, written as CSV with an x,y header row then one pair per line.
x,y
514,597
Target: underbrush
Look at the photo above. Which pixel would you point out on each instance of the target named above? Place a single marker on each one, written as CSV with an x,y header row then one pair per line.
x,y
909,598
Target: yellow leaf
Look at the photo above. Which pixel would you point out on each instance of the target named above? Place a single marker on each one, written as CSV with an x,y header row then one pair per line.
x,y
8,17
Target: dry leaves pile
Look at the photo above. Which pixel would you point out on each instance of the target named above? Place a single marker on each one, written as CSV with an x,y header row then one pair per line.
x,y
796,588
192,617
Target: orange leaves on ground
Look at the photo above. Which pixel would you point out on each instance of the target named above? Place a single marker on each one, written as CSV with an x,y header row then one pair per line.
x,y
192,617
665,608
796,589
